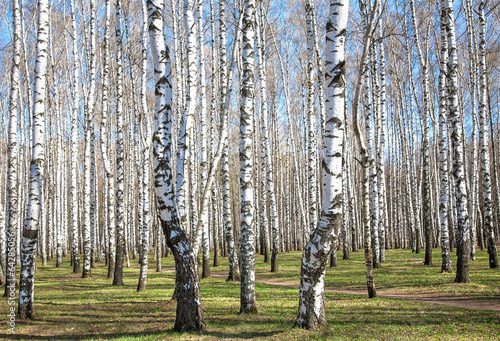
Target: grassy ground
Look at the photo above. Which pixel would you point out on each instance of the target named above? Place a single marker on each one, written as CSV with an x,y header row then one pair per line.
x,y
69,307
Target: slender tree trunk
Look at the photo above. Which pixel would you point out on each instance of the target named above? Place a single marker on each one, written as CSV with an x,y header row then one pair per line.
x,y
110,188
311,124
146,212
443,153
89,116
189,315
234,268
483,138
75,253
120,181
463,246
369,29
12,215
381,181
311,313
203,147
267,151
247,173
35,202
423,61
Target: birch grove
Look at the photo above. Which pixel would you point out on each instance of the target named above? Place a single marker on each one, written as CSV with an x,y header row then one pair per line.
x,y
205,130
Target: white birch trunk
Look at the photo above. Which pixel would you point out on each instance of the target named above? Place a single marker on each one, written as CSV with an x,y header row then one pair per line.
x,y
311,124
424,65
311,313
483,138
89,115
382,198
247,112
463,246
12,213
35,202
120,155
443,153
266,150
145,204
109,170
203,145
189,315
186,136
365,216
234,268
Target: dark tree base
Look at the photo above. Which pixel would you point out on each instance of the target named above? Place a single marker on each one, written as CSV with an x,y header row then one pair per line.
x,y
274,261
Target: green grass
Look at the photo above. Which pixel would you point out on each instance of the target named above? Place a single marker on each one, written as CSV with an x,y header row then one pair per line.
x,y
69,307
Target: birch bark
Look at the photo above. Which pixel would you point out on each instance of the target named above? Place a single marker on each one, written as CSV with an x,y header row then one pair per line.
x,y
74,147
463,246
12,216
120,155
35,202
189,315
146,211
247,112
311,313
234,268
483,138
443,153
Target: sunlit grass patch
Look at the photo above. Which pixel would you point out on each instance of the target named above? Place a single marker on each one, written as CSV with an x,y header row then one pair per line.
x,y
69,307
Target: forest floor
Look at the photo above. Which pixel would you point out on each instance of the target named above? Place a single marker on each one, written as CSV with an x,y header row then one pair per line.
x,y
415,302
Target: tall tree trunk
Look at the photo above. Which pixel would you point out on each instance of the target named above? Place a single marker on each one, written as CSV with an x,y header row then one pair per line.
x,y
35,202
75,253
483,138
189,315
311,313
247,112
424,65
311,124
443,153
89,116
110,188
463,246
146,180
382,190
234,268
186,137
369,29
12,216
120,181
203,145
266,150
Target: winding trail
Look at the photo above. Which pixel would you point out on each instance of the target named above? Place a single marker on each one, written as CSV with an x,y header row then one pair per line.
x,y
457,301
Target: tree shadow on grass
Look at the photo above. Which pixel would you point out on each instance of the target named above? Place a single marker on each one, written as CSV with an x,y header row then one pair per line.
x,y
165,334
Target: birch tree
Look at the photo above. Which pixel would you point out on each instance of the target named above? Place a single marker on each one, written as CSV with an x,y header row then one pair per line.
x,y
35,201
89,114
225,81
266,150
443,152
108,169
189,315
247,112
424,65
74,146
483,138
146,214
363,67
311,123
311,314
120,154
12,216
463,246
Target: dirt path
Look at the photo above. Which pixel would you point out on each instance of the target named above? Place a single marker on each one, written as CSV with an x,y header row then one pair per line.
x,y
457,301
